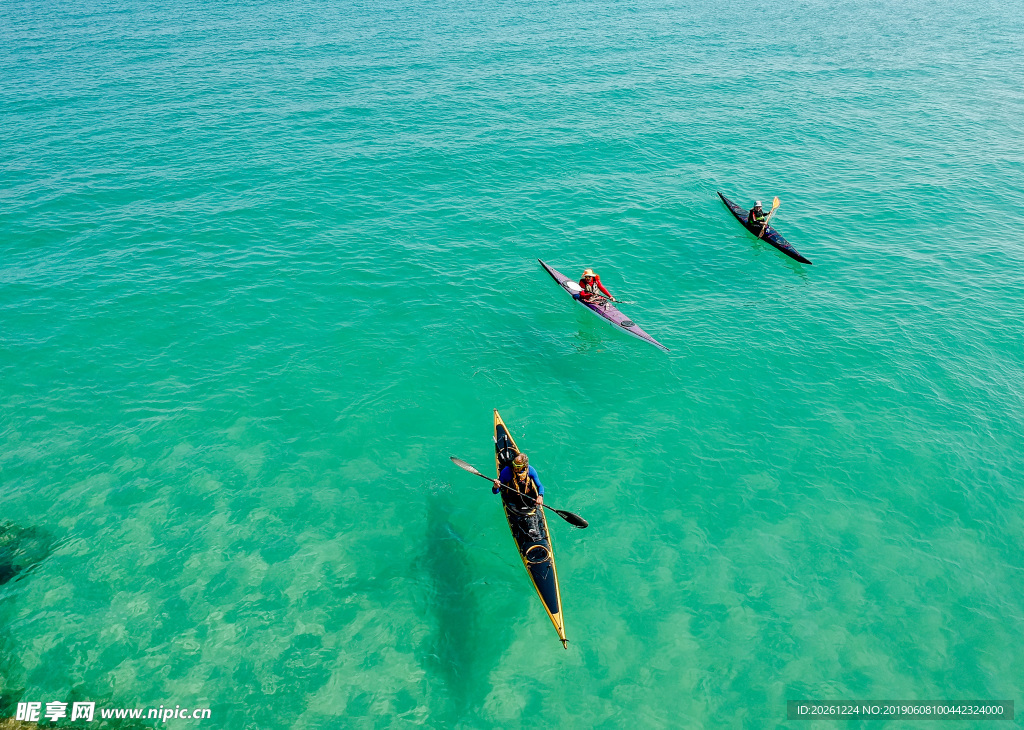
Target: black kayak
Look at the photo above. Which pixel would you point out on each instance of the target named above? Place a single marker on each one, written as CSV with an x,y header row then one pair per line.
x,y
770,235
530,531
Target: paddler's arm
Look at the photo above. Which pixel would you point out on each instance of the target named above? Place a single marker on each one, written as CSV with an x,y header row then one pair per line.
x,y
503,479
540,487
601,287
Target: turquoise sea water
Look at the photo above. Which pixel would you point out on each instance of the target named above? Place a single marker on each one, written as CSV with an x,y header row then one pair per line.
x,y
266,265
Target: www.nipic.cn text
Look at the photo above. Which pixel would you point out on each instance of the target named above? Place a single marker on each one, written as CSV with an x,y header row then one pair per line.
x,y
86,712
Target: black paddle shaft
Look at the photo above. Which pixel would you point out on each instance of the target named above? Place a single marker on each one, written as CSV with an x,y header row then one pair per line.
x,y
573,519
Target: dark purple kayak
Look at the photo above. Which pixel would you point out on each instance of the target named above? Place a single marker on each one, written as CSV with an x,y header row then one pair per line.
x,y
603,308
770,235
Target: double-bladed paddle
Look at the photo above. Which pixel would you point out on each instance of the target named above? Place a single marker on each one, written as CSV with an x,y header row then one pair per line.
x,y
573,519
775,207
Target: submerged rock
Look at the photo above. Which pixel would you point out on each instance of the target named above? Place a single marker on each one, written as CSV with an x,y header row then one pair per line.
x,y
21,549
10,724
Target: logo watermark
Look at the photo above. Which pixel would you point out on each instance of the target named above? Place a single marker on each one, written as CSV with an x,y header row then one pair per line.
x,y
87,712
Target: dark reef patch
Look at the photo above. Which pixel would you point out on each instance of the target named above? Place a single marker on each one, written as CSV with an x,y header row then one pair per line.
x,y
21,549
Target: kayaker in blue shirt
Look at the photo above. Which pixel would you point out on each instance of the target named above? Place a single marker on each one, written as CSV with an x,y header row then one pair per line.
x,y
521,477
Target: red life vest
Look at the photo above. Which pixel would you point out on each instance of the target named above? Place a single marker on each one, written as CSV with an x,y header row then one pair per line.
x,y
594,287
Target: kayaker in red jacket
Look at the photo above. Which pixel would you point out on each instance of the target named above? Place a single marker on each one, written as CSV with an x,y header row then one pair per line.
x,y
590,285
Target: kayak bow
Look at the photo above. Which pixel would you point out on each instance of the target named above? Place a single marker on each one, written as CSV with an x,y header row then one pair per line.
x,y
530,531
603,309
770,235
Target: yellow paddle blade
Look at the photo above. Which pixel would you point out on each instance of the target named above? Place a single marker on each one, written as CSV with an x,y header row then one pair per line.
x,y
775,202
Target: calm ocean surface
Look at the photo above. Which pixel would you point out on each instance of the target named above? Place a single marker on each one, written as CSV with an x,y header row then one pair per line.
x,y
264,266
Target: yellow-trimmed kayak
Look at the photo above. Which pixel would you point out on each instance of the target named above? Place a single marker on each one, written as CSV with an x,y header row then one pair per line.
x,y
530,531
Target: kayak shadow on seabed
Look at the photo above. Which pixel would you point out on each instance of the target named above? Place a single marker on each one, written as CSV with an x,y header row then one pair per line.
x,y
587,342
451,651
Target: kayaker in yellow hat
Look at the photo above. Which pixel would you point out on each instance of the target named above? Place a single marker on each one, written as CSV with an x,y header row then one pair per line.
x,y
590,285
